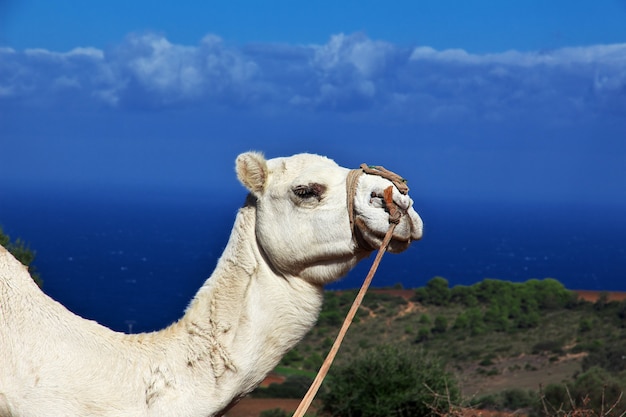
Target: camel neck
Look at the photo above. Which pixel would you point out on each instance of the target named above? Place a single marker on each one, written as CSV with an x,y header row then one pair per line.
x,y
245,317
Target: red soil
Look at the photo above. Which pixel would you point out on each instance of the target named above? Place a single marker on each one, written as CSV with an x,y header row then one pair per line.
x,y
252,407
272,378
594,295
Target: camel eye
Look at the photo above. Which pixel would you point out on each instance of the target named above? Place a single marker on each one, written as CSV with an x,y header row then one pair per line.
x,y
313,190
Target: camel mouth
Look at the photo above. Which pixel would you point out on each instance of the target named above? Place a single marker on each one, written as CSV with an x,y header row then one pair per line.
x,y
359,237
408,230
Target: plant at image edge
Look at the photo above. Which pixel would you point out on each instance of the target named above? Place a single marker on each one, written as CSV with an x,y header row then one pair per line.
x,y
389,381
22,253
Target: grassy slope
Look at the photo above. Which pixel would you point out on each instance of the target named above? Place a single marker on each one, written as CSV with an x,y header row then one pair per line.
x,y
484,363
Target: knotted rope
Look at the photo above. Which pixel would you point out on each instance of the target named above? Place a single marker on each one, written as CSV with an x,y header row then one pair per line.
x,y
394,219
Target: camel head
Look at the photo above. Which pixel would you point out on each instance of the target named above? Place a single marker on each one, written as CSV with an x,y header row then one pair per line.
x,y
302,214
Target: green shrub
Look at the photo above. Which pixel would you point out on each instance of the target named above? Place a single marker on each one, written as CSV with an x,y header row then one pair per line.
x,y
313,362
488,372
510,400
423,334
461,322
440,325
584,325
465,295
275,412
389,381
607,356
23,253
436,292
295,386
488,361
291,357
330,318
593,390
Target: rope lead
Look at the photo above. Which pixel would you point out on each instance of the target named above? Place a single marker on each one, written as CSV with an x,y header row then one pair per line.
x,y
394,218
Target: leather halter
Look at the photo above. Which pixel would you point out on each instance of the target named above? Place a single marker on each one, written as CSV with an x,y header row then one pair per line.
x,y
351,186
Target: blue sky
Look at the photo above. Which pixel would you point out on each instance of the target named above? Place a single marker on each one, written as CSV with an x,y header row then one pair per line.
x,y
494,101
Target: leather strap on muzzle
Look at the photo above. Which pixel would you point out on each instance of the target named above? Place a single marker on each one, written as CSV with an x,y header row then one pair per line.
x,y
351,185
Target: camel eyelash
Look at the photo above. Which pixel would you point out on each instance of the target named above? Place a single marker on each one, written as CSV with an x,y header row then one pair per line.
x,y
313,190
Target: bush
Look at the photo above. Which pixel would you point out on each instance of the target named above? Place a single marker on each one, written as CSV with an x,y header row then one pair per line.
x,y
435,292
291,357
295,386
516,399
609,357
330,318
23,253
389,381
462,294
441,324
274,412
423,335
585,325
593,390
487,361
475,321
461,322
511,400
313,362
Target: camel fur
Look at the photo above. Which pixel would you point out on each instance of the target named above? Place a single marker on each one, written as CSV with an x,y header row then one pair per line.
x,y
290,238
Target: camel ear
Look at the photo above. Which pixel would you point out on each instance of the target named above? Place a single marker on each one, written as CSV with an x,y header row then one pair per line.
x,y
252,171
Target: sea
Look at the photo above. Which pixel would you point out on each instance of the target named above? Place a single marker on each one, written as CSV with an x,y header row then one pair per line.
x,y
132,259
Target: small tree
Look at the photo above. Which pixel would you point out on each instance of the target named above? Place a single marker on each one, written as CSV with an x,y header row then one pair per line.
x,y
438,291
441,324
22,253
391,382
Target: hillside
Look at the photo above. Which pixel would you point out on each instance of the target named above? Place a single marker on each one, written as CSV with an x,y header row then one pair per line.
x,y
495,336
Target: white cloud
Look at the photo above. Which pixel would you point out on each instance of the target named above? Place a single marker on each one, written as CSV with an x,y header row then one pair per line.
x,y
86,52
605,54
168,73
367,56
567,82
159,65
348,73
45,78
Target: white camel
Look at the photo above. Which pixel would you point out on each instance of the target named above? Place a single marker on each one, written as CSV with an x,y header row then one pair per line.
x,y
292,236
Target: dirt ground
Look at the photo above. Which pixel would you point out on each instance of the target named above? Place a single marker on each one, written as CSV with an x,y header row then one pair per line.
x,y
594,295
252,407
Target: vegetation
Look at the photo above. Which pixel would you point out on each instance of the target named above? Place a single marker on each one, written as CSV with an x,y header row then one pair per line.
x,y
274,412
532,346
595,390
22,253
389,381
295,386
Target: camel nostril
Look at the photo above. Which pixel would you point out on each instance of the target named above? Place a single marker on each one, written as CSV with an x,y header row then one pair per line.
x,y
378,202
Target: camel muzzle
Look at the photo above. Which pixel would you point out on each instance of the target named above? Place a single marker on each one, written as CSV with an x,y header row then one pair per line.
x,y
385,201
